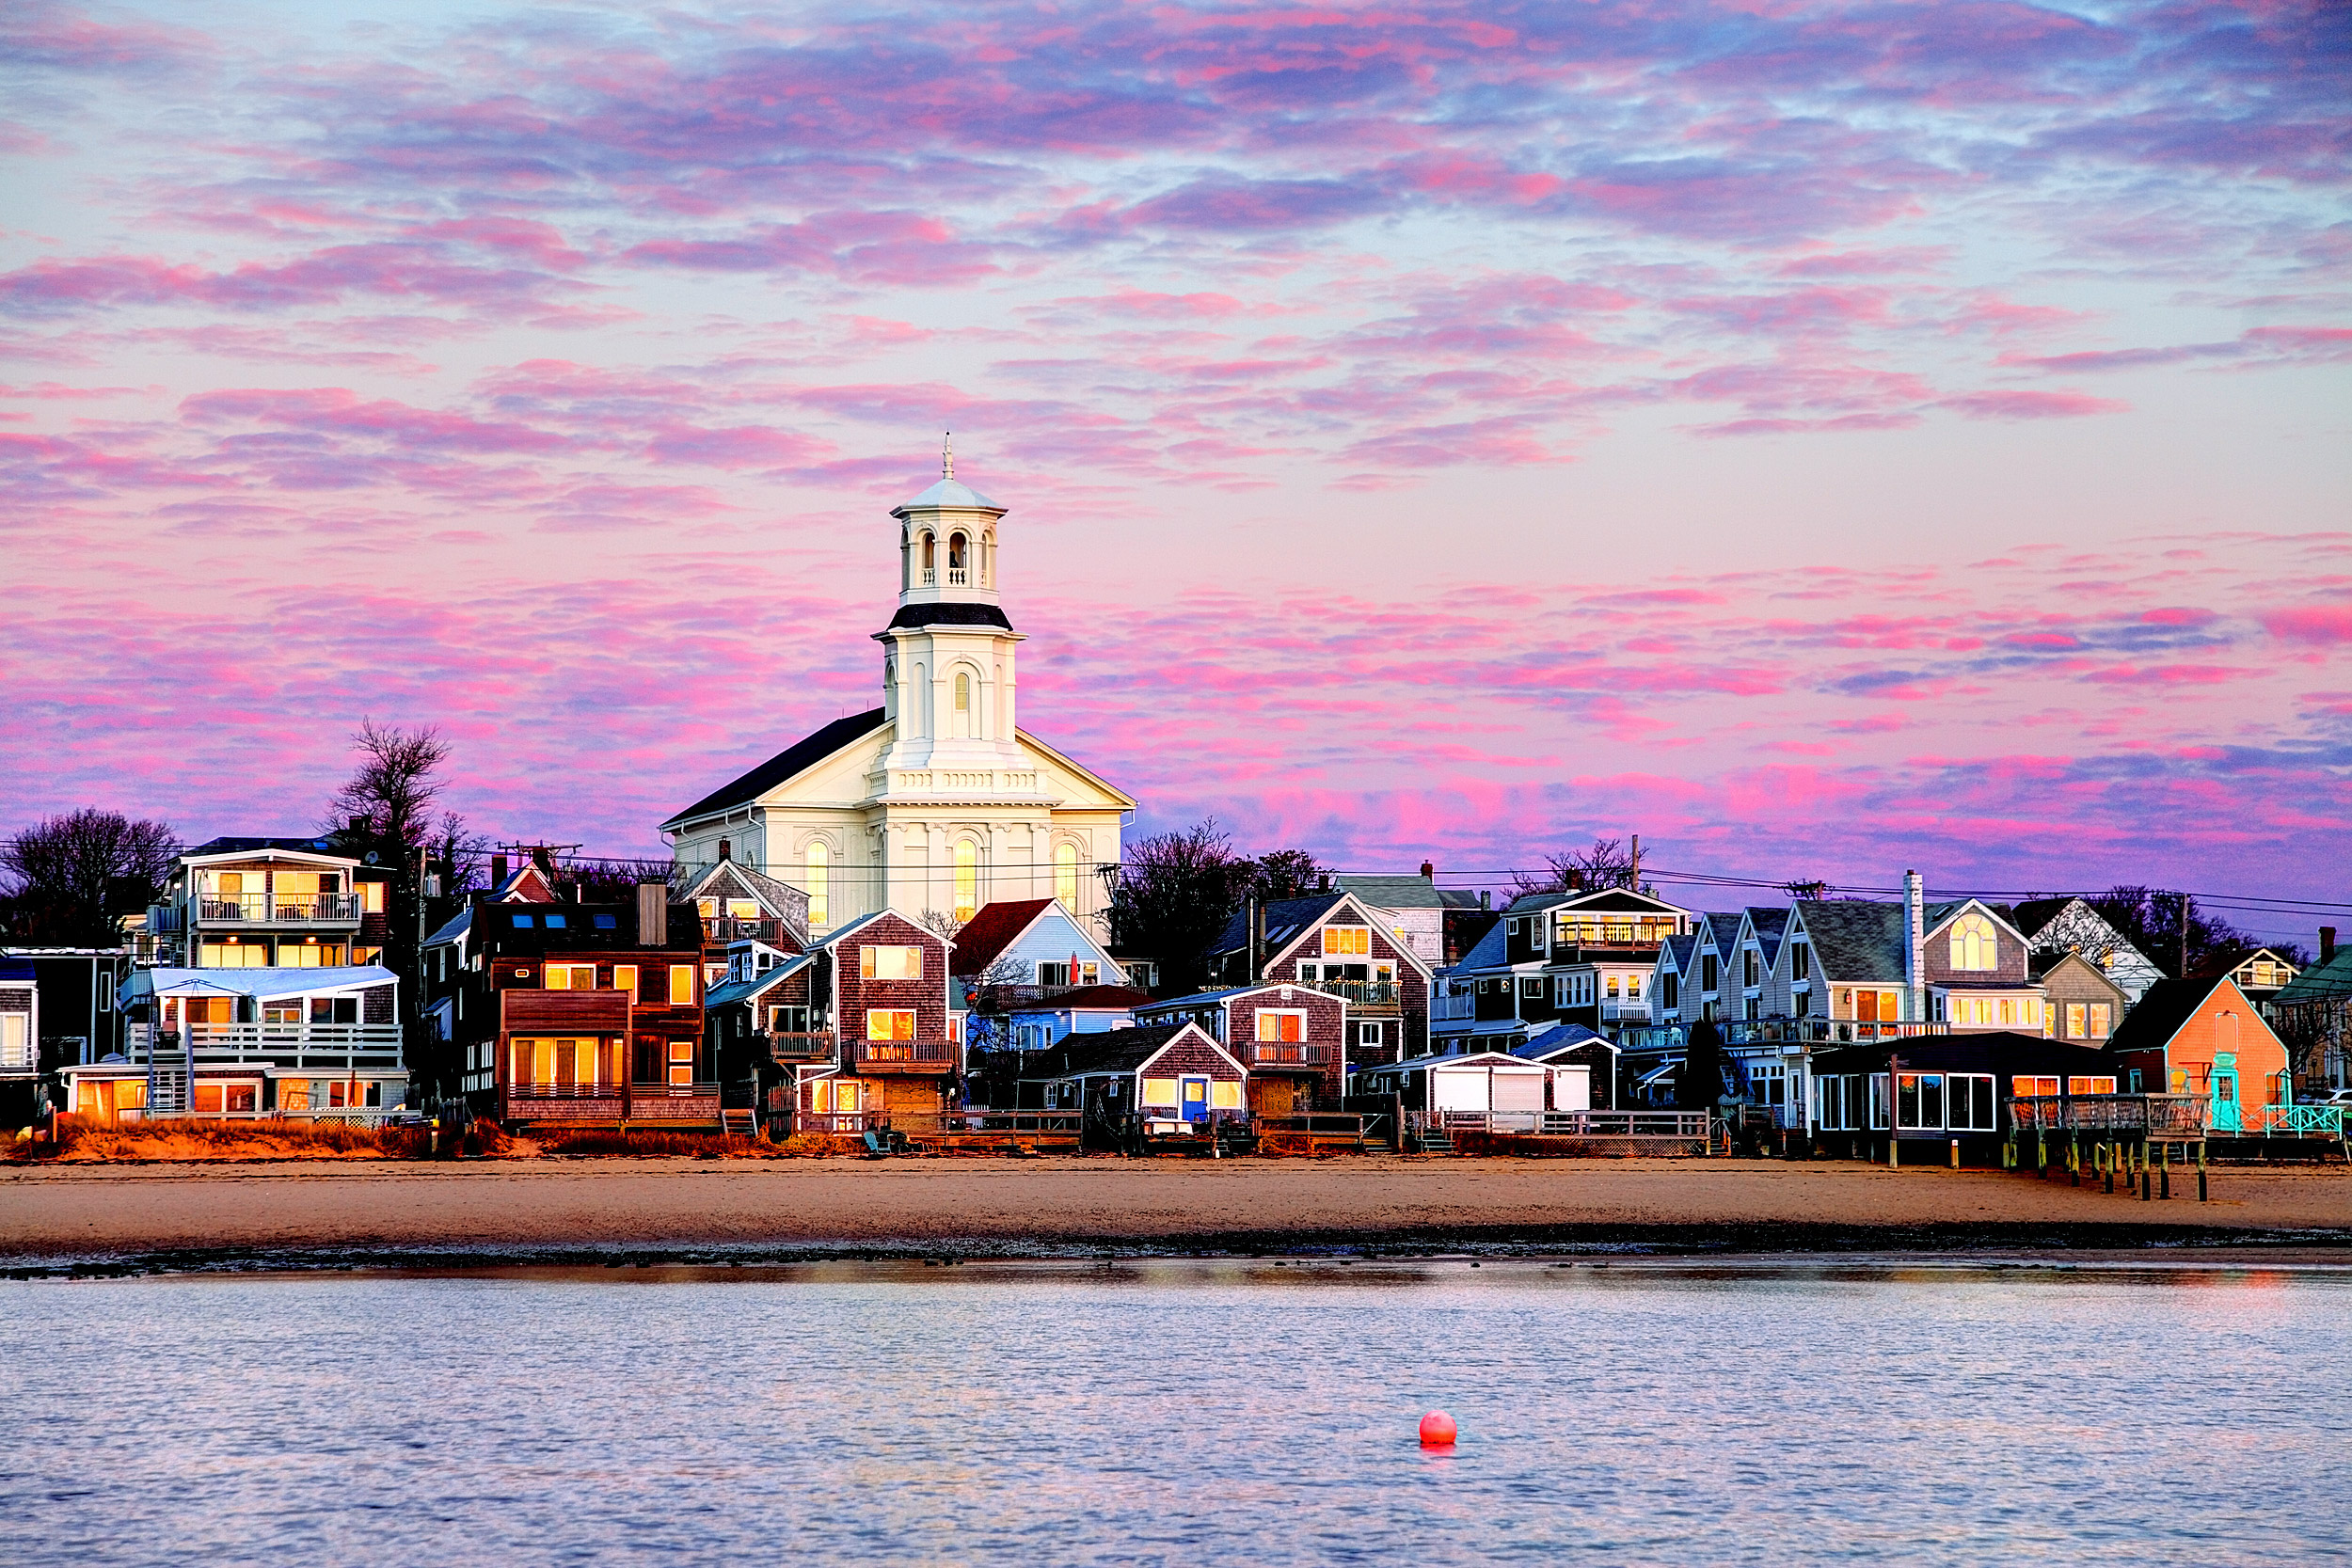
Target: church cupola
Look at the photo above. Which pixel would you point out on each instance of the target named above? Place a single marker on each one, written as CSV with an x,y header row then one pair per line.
x,y
948,548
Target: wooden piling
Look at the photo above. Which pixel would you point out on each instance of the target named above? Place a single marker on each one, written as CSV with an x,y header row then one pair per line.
x,y
2201,1170
2163,1173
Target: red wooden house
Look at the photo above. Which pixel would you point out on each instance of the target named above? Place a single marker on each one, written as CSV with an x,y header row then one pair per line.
x,y
1336,944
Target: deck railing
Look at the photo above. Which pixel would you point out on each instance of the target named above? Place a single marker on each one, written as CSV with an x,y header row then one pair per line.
x,y
800,1046
728,927
256,909
1068,1122
2152,1115
212,1043
1278,1054
840,1122
917,1054
1692,1125
1362,993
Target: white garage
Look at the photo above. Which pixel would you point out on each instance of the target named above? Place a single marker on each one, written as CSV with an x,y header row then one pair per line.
x,y
1503,1092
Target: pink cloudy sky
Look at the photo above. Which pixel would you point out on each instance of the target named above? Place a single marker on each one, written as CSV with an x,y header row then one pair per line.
x,y
1822,439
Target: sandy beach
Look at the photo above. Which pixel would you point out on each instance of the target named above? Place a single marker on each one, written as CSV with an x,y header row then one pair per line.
x,y
175,1215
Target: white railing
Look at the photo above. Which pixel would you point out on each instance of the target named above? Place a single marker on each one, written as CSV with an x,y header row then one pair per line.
x,y
254,908
959,576
241,1041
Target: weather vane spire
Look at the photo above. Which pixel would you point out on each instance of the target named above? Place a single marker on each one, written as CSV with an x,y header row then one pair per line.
x,y
948,455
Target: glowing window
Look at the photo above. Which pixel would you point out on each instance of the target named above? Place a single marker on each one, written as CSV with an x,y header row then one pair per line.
x,y
1974,948
891,963
1347,940
1286,1027
1066,875
963,691
890,1024
813,882
681,985
967,877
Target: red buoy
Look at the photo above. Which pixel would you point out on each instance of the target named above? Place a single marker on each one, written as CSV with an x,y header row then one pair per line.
x,y
1437,1430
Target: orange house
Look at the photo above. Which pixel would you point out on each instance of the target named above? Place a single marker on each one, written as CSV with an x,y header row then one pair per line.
x,y
2203,1037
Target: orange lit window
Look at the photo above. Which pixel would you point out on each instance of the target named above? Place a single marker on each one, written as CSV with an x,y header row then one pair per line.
x,y
1346,941
1281,1027
681,985
890,1024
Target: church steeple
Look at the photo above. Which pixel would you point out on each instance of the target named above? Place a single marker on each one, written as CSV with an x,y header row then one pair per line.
x,y
948,653
948,542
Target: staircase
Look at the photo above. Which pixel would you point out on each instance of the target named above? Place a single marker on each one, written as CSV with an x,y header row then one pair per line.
x,y
1424,1139
169,1068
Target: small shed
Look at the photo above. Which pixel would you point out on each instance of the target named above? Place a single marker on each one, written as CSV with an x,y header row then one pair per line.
x,y
1501,1090
1170,1080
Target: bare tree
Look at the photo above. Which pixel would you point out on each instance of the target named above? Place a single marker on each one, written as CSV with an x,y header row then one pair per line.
x,y
1607,863
941,922
389,799
459,853
1286,874
1172,895
72,878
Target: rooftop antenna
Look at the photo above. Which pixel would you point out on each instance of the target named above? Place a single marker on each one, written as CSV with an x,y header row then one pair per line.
x,y
948,455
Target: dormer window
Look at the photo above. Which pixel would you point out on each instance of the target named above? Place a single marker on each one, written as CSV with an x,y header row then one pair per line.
x,y
1974,948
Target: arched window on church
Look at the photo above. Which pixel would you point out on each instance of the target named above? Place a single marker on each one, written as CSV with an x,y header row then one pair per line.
x,y
1066,875
967,880
988,558
959,566
963,704
931,562
815,864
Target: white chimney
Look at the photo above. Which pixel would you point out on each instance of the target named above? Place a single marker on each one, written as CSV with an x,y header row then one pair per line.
x,y
1915,942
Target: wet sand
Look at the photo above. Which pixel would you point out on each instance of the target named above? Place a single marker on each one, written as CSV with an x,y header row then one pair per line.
x,y
339,1212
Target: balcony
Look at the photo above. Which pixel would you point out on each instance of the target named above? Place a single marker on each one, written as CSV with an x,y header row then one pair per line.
x,y
899,1057
255,909
1271,1053
720,929
800,1046
286,1044
1359,993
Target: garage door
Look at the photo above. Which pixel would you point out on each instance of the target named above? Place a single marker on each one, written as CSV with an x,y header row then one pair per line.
x,y
1518,1089
1461,1088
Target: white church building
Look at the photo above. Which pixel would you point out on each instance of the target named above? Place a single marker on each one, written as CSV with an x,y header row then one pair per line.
x,y
937,799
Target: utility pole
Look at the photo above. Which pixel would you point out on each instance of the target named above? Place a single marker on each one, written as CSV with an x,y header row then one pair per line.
x,y
1637,863
2184,935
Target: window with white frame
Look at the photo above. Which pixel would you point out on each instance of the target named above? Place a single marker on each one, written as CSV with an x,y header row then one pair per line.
x,y
1368,1033
1281,1027
1059,972
1347,941
891,963
1973,946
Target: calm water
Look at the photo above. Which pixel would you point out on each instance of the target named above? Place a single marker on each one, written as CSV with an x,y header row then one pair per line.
x,y
1187,1413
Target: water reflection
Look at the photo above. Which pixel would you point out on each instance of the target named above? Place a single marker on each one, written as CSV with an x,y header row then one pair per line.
x,y
1177,1410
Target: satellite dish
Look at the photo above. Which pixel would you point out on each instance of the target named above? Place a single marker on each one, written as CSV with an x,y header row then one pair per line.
x,y
371,857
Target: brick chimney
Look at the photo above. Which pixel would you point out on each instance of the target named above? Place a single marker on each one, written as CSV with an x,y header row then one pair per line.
x,y
1429,870
2327,944
497,872
726,850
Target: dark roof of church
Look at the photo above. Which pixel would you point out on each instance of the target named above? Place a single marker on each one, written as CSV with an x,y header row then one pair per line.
x,y
950,616
796,758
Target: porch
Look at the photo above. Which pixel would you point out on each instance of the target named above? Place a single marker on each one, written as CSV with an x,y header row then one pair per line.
x,y
260,909
899,1057
609,1103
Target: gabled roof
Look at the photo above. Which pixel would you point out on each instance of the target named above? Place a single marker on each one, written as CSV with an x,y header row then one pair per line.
x,y
744,990
2036,913
1086,999
2164,1007
793,760
1467,1059
2319,983
1676,952
2040,966
1936,916
841,934
1406,893
781,900
1856,940
1770,925
1206,998
1488,952
525,884
1545,1041
996,928
1119,1051
453,927
1288,922
1722,926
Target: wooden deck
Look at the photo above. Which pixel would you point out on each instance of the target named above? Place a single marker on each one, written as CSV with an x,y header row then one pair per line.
x,y
993,1132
